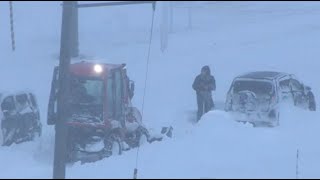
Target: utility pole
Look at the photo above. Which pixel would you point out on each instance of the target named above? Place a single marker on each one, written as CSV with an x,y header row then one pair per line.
x,y
74,30
61,133
69,48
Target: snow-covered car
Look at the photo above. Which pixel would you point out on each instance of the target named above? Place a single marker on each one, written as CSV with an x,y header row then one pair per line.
x,y
255,97
20,120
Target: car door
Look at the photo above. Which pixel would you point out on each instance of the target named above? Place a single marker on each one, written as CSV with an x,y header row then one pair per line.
x,y
115,95
52,106
298,93
110,96
118,92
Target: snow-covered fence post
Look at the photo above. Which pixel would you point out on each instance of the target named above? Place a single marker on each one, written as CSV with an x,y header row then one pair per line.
x,y
135,173
164,25
297,164
11,27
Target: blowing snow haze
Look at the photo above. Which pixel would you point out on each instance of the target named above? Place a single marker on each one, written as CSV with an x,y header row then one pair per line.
x,y
248,47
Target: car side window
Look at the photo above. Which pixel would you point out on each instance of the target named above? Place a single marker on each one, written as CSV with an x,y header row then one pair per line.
x,y
33,100
22,102
296,86
8,104
285,85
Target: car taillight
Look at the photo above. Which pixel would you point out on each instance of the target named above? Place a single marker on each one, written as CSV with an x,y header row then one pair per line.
x,y
130,118
273,99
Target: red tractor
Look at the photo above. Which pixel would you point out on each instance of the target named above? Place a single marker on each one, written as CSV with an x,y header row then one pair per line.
x,y
102,120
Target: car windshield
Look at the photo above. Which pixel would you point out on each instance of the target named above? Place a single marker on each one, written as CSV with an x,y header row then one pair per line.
x,y
258,87
86,91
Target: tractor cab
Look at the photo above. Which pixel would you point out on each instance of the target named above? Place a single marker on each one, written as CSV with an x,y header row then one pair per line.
x,y
100,112
98,93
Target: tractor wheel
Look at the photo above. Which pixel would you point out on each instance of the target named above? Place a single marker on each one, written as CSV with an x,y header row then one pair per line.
x,y
116,148
275,116
113,145
143,139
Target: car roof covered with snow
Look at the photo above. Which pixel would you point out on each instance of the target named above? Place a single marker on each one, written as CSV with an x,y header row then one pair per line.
x,y
269,75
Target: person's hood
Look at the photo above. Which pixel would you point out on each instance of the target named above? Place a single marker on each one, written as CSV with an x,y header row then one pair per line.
x,y
206,68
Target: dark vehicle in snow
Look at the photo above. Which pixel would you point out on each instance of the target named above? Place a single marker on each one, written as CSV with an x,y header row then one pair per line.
x,y
255,97
20,118
101,118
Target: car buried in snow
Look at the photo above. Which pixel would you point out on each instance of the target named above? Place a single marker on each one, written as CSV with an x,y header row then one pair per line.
x,y
101,119
20,120
255,97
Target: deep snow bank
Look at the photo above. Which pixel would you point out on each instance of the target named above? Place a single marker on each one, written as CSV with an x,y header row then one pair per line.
x,y
219,147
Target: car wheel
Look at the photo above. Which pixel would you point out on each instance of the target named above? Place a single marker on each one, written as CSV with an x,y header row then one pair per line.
x,y
254,124
278,120
275,116
40,130
311,102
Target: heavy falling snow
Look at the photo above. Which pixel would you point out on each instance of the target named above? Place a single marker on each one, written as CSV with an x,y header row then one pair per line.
x,y
231,37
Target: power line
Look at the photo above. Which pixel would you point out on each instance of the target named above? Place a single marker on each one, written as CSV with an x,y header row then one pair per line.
x,y
135,173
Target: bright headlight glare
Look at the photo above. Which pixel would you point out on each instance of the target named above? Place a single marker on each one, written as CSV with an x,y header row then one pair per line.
x,y
98,68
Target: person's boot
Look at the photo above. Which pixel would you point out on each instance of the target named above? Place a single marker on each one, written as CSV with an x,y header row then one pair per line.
x,y
213,106
125,146
199,117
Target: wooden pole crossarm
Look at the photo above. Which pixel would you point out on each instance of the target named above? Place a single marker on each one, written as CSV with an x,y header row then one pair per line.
x,y
114,4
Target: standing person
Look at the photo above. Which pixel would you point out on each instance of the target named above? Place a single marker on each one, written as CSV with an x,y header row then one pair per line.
x,y
204,84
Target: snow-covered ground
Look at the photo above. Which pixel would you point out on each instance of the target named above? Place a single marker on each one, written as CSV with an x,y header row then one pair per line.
x,y
230,37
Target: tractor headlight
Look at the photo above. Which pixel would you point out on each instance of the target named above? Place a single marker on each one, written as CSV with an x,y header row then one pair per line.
x,y
98,68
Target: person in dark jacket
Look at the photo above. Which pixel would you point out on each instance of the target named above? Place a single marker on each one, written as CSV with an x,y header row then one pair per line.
x,y
204,84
